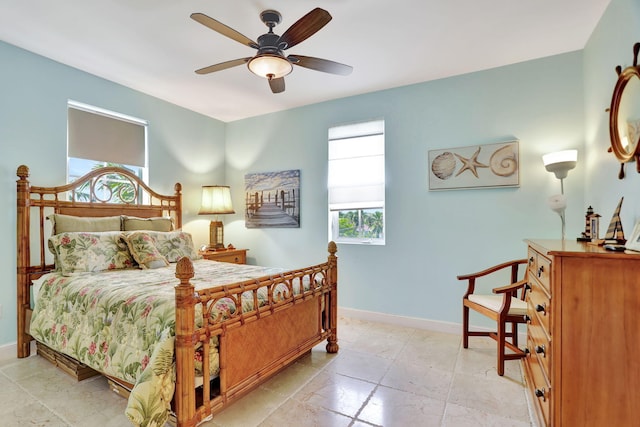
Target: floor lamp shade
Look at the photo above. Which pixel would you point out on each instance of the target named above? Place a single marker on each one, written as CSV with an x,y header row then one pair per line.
x,y
216,200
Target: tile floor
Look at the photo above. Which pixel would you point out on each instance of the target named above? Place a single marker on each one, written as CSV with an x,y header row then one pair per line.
x,y
383,375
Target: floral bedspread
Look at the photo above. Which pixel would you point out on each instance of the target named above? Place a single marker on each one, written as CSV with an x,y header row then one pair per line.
x,y
122,323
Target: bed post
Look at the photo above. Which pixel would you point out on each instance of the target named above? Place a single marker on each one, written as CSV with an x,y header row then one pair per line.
x,y
185,394
178,212
332,341
23,259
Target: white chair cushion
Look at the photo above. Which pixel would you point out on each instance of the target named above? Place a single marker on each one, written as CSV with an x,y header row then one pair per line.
x,y
494,302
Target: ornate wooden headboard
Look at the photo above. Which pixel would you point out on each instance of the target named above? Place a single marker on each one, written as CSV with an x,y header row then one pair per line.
x,y
92,195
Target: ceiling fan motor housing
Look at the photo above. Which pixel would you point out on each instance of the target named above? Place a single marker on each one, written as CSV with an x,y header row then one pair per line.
x,y
271,18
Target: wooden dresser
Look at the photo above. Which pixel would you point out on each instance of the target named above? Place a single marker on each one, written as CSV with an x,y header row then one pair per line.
x,y
583,337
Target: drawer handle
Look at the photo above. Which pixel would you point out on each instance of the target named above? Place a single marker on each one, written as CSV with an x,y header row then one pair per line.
x,y
540,270
527,318
527,287
540,393
527,351
541,308
540,349
530,260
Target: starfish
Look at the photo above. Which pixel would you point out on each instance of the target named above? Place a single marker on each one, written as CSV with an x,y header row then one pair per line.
x,y
471,163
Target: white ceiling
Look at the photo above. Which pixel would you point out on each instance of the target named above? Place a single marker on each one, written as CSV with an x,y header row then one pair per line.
x,y
154,47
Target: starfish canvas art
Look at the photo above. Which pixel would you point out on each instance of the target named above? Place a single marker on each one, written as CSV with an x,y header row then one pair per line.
x,y
479,166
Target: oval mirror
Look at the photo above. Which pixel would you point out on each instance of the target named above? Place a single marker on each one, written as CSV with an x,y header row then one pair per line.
x,y
624,114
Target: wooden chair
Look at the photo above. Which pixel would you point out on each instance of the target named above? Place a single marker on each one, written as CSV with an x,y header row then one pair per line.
x,y
506,306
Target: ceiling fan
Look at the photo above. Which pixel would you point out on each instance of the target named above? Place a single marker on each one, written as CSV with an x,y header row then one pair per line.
x,y
270,61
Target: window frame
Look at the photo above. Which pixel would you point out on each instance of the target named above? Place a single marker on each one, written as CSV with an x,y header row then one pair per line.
x,y
371,191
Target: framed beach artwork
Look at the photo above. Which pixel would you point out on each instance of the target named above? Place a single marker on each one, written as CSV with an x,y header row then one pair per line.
x,y
272,199
476,166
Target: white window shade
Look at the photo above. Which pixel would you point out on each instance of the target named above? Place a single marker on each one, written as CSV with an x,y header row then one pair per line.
x,y
356,167
99,137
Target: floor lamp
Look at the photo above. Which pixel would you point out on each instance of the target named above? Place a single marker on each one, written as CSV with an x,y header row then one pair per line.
x,y
560,163
216,200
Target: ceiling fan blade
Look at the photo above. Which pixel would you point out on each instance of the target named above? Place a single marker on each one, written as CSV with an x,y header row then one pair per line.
x,y
223,65
304,28
319,64
223,29
277,85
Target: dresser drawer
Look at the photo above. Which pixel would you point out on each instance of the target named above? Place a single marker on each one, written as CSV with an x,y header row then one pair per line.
x,y
538,384
235,256
540,268
539,305
540,345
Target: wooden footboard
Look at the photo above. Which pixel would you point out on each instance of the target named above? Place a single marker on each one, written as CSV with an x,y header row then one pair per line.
x,y
255,344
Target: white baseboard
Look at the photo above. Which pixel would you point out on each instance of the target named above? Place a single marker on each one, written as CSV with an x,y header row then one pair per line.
x,y
415,322
408,322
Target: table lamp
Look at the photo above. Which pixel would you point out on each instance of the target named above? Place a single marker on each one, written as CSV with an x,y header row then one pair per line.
x,y
216,200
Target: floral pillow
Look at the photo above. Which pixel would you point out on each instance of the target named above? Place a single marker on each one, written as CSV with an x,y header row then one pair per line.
x,y
174,245
144,251
77,252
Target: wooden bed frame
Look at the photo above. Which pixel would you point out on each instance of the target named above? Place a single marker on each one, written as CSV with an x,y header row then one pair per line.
x,y
253,345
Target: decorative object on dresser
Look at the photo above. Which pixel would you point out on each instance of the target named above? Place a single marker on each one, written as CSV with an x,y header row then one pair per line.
x,y
216,200
478,166
233,255
581,367
505,307
624,114
633,243
560,163
615,234
589,231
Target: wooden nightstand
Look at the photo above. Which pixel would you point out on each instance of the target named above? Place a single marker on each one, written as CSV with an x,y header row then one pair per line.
x,y
236,256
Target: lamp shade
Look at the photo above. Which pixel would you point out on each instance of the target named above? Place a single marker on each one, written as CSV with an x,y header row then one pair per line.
x,y
560,162
216,199
270,66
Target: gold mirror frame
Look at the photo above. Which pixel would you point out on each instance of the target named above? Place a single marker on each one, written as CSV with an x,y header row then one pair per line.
x,y
624,152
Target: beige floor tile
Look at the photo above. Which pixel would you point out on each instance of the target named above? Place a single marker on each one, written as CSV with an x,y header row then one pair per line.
x,y
335,392
291,379
296,413
419,379
360,365
481,359
389,407
460,416
490,394
249,410
429,354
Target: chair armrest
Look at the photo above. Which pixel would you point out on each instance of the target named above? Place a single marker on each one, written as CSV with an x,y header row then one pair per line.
x,y
492,269
513,265
510,288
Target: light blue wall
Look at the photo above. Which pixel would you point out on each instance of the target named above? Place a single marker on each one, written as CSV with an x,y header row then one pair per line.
x,y
611,44
431,236
183,146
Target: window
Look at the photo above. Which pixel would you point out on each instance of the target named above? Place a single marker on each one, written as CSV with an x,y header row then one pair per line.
x,y
356,183
98,138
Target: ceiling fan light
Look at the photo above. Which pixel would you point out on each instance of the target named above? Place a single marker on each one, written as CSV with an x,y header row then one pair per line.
x,y
270,66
